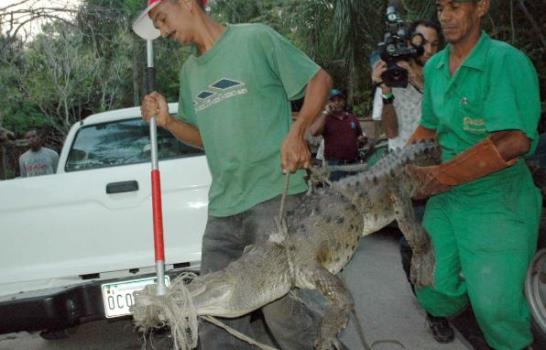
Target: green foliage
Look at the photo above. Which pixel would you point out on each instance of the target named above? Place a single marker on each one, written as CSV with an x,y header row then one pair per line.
x,y
95,63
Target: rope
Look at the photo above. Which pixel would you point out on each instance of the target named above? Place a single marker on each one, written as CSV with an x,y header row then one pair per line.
x,y
236,333
175,308
360,330
283,198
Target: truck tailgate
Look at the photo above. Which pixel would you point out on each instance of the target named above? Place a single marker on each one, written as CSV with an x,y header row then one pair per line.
x,y
67,225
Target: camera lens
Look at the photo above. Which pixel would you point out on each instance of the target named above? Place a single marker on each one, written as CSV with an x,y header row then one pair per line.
x,y
391,49
417,39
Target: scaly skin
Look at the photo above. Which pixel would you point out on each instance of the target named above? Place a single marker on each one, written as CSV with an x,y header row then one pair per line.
x,y
322,236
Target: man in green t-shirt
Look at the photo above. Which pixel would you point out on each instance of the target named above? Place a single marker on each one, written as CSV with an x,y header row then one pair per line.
x,y
482,104
235,103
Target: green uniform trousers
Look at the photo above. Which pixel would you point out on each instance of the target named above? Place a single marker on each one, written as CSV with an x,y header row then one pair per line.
x,y
484,235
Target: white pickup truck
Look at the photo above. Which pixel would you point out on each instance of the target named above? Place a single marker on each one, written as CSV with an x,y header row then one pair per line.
x,y
75,245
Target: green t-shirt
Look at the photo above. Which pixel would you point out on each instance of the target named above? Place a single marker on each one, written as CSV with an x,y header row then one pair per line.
x,y
237,94
496,88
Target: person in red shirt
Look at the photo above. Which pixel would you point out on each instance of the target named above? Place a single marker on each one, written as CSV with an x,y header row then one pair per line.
x,y
341,132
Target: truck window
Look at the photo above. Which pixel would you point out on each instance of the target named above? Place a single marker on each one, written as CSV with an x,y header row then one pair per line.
x,y
122,143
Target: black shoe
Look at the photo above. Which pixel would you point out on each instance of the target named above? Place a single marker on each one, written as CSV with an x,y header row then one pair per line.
x,y
441,330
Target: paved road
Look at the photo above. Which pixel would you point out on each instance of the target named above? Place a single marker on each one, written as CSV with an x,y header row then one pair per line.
x,y
383,299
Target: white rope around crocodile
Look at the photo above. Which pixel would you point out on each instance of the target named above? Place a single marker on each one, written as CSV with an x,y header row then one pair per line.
x,y
177,301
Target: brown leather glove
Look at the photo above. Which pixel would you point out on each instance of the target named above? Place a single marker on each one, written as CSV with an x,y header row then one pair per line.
x,y
428,183
422,134
480,160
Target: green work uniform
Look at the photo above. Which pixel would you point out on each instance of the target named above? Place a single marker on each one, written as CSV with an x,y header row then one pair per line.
x,y
237,94
484,232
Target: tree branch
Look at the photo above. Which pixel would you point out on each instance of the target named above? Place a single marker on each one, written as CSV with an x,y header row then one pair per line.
x,y
534,24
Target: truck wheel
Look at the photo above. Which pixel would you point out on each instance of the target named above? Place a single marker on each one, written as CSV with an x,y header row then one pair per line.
x,y
58,334
535,291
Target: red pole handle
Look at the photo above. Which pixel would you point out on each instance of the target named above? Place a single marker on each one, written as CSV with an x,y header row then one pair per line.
x,y
158,216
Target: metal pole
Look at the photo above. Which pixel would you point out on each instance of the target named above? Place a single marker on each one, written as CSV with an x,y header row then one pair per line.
x,y
156,180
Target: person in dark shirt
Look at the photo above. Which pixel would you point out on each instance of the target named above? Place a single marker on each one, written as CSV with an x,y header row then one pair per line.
x,y
342,134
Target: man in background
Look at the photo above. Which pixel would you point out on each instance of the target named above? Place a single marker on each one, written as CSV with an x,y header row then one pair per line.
x,y
38,160
341,132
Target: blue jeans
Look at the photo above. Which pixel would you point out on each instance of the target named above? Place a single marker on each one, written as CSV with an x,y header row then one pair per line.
x,y
291,325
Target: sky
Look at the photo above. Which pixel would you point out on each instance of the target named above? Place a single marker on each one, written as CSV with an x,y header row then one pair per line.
x,y
30,29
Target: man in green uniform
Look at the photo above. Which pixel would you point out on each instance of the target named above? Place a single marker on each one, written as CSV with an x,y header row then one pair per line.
x,y
482,103
235,103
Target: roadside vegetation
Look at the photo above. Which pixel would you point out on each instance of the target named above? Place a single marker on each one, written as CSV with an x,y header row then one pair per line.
x,y
92,62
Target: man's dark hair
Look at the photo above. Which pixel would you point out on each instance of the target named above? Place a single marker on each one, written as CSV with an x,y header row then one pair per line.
x,y
425,23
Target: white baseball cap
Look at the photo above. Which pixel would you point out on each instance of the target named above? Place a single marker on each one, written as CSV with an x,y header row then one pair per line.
x,y
143,25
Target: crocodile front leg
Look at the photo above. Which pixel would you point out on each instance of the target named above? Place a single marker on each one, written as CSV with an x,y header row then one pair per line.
x,y
422,262
336,315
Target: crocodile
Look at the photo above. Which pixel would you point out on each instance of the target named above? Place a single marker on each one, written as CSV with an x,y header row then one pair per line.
x,y
319,238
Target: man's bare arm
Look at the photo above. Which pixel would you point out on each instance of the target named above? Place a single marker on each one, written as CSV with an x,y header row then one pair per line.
x,y
185,132
390,121
294,151
317,128
155,105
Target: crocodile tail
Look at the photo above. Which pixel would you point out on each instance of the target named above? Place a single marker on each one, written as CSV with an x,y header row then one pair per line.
x,y
421,153
393,164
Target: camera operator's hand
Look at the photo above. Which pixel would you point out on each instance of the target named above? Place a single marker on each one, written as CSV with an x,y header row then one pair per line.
x,y
415,73
380,68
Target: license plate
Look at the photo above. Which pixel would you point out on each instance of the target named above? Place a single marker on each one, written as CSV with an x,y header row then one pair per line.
x,y
118,297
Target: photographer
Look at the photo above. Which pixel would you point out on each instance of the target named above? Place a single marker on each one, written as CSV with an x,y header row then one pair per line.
x,y
400,110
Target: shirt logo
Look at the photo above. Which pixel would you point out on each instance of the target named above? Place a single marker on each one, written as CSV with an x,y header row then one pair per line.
x,y
474,125
217,92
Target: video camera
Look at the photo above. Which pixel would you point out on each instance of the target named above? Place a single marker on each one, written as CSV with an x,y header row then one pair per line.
x,y
396,47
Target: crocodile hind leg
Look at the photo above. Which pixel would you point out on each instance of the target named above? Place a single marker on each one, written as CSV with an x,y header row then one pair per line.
x,y
422,262
336,315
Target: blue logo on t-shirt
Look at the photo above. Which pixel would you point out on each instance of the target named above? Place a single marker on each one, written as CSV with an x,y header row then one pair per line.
x,y
225,84
219,91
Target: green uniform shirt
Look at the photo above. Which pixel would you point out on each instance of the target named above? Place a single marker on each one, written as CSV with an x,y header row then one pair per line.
x,y
495,89
237,94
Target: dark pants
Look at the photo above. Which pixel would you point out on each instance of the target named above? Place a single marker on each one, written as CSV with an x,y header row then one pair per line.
x,y
288,321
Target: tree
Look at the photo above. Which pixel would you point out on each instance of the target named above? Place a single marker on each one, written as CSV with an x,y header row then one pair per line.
x,y
92,62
